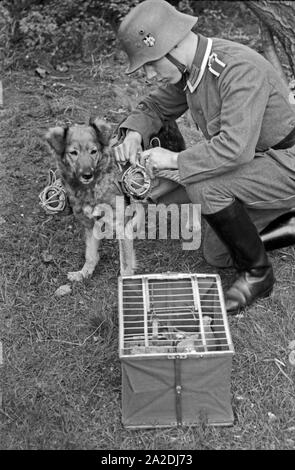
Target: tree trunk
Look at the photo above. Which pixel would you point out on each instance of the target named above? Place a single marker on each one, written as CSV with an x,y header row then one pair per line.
x,y
279,18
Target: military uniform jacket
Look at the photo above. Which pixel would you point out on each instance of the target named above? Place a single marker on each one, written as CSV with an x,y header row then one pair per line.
x,y
242,113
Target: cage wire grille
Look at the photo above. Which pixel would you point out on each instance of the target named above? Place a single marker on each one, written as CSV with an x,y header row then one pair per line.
x,y
176,314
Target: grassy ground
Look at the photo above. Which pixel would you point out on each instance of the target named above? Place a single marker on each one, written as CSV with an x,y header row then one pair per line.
x,y
61,379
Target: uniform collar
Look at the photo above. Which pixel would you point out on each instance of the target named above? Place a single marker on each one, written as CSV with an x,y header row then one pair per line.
x,y
199,63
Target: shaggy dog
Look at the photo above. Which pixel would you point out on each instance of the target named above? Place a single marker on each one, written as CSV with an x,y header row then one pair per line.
x,y
90,176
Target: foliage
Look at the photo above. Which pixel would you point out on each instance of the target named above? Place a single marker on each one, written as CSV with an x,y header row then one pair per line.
x,y
5,32
61,377
68,29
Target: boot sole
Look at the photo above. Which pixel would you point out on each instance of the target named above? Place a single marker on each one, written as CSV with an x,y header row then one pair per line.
x,y
242,308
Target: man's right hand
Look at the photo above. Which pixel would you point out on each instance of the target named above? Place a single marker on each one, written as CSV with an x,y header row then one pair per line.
x,y
129,149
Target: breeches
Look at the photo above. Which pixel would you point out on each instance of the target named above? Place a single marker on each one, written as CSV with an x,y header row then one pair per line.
x,y
264,186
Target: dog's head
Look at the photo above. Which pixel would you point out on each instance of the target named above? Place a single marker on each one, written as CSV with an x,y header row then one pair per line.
x,y
80,149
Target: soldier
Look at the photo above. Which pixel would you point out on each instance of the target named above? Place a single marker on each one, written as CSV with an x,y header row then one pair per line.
x,y
243,172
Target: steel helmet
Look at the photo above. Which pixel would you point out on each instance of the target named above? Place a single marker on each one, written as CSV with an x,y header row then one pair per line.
x,y
151,30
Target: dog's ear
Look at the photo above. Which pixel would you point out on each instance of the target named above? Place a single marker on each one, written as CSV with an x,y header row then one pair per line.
x,y
103,130
56,137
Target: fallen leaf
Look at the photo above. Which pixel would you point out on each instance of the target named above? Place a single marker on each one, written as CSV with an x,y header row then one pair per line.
x,y
63,290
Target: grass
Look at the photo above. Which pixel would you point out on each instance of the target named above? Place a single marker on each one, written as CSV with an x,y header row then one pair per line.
x,y
61,379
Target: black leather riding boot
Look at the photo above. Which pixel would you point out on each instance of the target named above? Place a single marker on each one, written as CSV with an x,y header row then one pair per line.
x,y
255,275
279,233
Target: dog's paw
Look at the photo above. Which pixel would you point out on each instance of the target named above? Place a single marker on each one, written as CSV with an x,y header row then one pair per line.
x,y
75,276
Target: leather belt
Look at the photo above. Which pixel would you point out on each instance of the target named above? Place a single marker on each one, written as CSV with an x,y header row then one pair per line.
x,y
287,142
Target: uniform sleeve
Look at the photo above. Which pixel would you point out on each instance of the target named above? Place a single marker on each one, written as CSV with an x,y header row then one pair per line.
x,y
244,92
166,103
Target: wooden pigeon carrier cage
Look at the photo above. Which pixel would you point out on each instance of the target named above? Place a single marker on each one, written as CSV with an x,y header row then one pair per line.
x,y
175,349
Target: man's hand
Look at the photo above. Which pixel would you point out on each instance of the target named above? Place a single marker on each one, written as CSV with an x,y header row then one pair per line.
x,y
157,158
128,150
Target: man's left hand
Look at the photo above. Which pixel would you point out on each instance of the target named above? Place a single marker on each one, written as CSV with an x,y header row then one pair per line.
x,y
157,159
